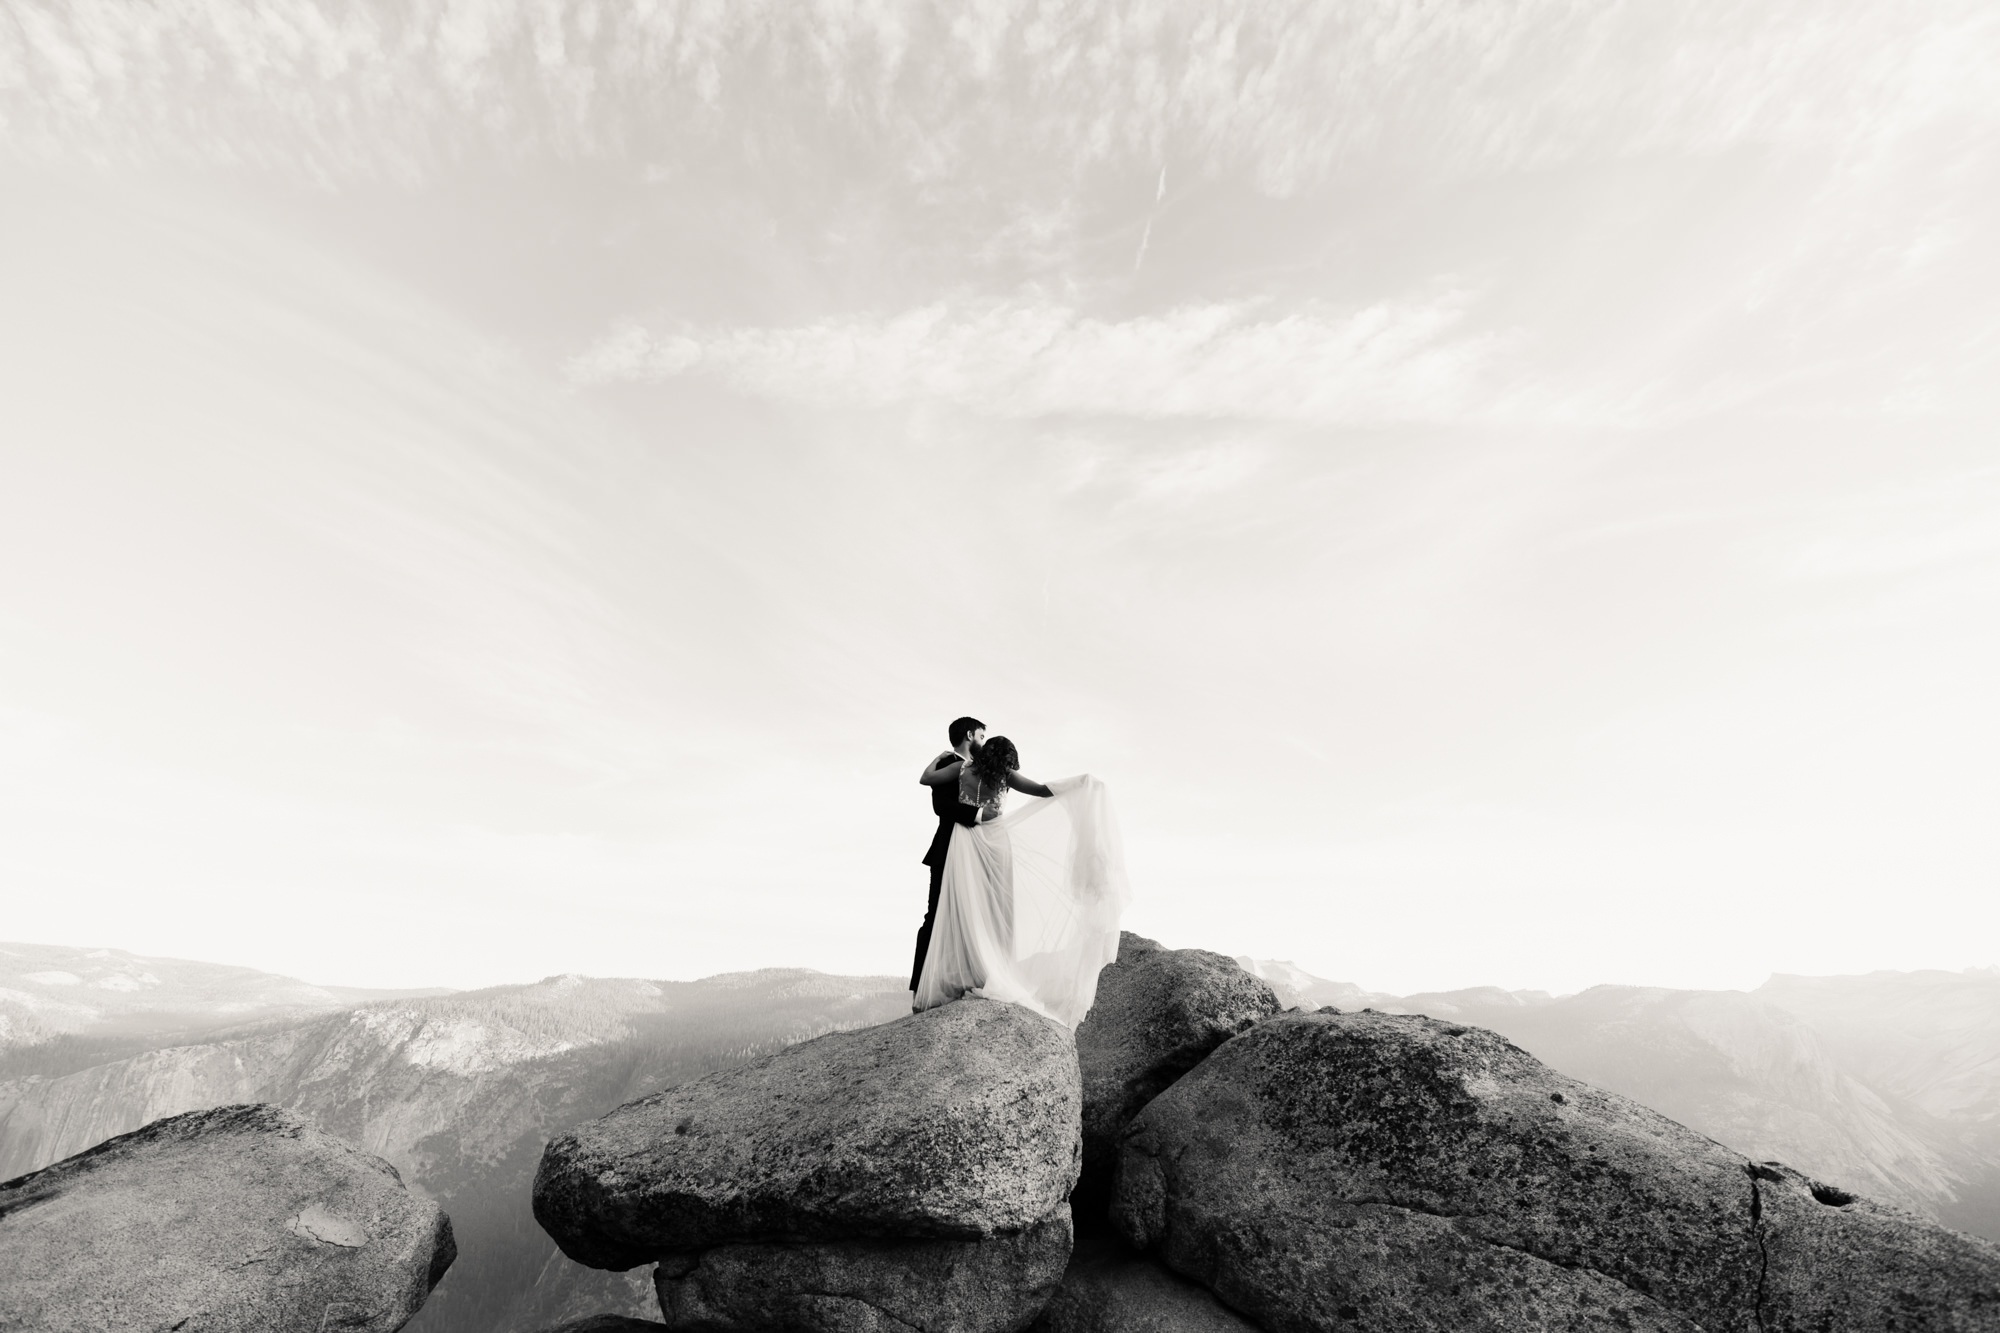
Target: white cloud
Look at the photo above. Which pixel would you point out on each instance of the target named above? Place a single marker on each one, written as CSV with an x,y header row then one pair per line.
x,y
1284,94
1185,477
1390,362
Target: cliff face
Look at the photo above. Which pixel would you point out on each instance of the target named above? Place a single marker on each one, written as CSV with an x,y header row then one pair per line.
x,y
1928,1045
459,1093
43,1120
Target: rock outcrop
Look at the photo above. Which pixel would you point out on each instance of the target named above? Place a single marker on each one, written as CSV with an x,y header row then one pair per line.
x,y
239,1218
1370,1172
869,1286
1110,1289
959,1123
912,1174
608,1323
1836,1260
1159,1011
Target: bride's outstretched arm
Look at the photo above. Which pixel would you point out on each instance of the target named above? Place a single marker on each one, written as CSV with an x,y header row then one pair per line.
x,y
1027,785
941,771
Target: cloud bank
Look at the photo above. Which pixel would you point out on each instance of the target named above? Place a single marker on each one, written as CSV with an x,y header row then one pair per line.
x,y
1391,362
1289,93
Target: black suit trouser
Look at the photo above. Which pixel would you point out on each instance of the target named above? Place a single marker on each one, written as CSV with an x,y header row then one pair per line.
x,y
930,919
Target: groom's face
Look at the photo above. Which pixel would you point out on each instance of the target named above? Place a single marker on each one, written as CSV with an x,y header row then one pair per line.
x,y
976,738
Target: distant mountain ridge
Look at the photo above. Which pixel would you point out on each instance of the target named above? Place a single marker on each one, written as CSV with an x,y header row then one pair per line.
x,y
105,998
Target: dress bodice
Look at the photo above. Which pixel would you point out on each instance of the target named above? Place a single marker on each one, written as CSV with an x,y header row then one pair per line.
x,y
988,797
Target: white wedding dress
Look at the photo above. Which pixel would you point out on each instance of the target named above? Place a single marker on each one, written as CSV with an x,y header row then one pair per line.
x,y
1029,907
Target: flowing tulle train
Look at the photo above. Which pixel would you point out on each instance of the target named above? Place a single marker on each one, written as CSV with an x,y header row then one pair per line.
x,y
1030,903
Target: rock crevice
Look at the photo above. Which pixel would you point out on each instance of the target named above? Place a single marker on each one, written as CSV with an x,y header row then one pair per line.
x,y
1763,1254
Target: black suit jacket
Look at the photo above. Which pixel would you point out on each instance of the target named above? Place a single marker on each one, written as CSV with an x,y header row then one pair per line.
x,y
949,810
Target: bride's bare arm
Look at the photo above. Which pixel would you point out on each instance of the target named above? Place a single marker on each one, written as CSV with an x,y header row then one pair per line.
x,y
1027,785
941,771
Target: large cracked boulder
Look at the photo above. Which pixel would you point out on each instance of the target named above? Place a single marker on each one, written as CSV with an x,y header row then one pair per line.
x,y
869,1286
916,1173
1159,1012
240,1218
959,1123
1376,1172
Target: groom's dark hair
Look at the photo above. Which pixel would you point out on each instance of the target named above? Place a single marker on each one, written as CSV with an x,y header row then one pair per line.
x,y
963,727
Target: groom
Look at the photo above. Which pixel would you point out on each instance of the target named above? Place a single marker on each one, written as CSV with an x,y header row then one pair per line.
x,y
966,735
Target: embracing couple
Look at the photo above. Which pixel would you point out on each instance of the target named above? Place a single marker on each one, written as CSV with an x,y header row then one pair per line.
x,y
1024,903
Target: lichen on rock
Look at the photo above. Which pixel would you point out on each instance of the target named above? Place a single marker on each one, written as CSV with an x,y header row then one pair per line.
x,y
959,1123
911,1175
1376,1172
1159,1012
996,1285
1109,1289
240,1219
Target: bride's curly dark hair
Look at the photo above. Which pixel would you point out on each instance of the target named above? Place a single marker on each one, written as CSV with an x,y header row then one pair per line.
x,y
993,761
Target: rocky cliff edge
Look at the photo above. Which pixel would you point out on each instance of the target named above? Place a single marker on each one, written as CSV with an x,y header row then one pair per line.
x,y
1290,1172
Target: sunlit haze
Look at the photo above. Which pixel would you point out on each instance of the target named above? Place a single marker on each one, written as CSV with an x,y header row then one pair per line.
x,y
1501,493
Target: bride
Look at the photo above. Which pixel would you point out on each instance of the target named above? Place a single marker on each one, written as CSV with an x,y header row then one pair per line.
x,y
1031,897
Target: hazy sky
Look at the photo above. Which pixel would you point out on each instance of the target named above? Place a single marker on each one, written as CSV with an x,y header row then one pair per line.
x,y
1502,492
